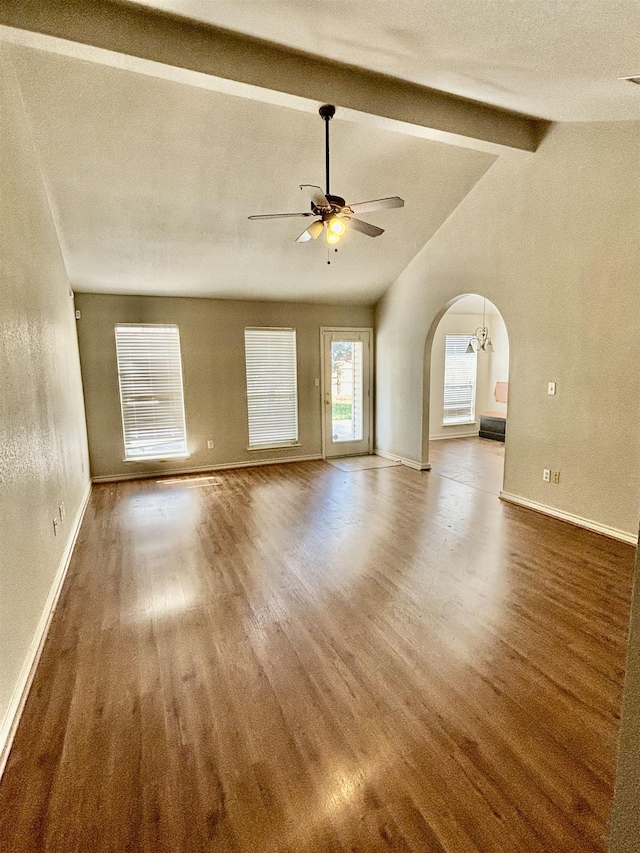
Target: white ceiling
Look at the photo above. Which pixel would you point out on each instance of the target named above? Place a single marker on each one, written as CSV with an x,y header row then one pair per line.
x,y
556,59
151,182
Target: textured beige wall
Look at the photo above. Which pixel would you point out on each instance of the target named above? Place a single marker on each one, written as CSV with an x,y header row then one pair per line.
x,y
43,440
552,241
498,361
491,366
625,825
212,341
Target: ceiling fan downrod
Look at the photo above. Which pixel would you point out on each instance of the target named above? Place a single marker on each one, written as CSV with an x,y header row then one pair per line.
x,y
327,112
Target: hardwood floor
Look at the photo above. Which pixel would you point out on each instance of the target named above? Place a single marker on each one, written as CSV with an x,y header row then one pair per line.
x,y
296,659
478,462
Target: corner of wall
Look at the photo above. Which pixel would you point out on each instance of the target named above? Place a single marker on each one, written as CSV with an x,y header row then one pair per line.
x,y
43,455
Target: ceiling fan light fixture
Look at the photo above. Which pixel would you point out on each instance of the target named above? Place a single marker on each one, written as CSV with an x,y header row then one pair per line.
x,y
332,237
337,226
315,229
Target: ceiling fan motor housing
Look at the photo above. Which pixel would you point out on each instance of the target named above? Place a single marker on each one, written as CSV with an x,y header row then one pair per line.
x,y
336,202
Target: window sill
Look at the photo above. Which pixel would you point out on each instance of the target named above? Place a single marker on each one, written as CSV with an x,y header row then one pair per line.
x,y
458,423
258,447
158,458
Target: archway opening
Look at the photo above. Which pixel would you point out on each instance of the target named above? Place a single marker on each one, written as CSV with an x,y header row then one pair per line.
x,y
468,393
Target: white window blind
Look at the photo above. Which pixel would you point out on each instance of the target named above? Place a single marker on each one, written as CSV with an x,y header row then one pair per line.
x,y
460,369
272,386
151,397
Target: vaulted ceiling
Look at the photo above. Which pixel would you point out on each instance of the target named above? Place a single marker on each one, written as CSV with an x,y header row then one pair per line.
x,y
152,182
151,176
556,59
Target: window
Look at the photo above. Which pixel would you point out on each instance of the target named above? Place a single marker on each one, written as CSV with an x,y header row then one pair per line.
x,y
272,387
459,381
347,365
151,399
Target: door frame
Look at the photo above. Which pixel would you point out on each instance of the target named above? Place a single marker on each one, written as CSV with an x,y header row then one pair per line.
x,y
346,330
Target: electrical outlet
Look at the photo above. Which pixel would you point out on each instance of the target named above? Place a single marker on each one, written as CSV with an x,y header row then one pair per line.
x,y
55,526
209,445
546,475
551,389
555,476
62,511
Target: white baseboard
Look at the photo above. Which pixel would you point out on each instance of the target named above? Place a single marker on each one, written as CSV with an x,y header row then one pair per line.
x,y
410,463
21,690
203,469
578,520
454,435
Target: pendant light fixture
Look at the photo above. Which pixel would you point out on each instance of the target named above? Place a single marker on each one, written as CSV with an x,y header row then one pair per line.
x,y
481,341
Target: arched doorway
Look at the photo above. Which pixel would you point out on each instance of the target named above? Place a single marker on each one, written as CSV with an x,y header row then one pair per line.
x,y
466,393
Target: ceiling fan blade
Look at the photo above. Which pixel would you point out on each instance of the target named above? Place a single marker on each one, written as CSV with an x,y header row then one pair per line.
x,y
312,232
377,204
317,196
320,200
278,215
365,227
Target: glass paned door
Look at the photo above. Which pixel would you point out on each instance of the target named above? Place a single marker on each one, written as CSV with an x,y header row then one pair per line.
x,y
346,392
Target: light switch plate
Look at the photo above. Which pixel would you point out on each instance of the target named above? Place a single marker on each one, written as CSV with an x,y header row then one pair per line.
x,y
551,388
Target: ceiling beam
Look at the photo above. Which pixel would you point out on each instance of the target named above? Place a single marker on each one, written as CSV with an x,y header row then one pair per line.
x,y
155,36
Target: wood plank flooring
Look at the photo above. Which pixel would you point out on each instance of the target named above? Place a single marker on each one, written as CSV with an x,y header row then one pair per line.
x,y
295,659
478,462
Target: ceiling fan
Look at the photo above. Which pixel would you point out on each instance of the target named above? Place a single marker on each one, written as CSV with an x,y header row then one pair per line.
x,y
335,215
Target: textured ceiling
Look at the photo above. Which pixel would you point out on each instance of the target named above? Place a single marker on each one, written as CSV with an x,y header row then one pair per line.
x,y
151,183
556,59
151,180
